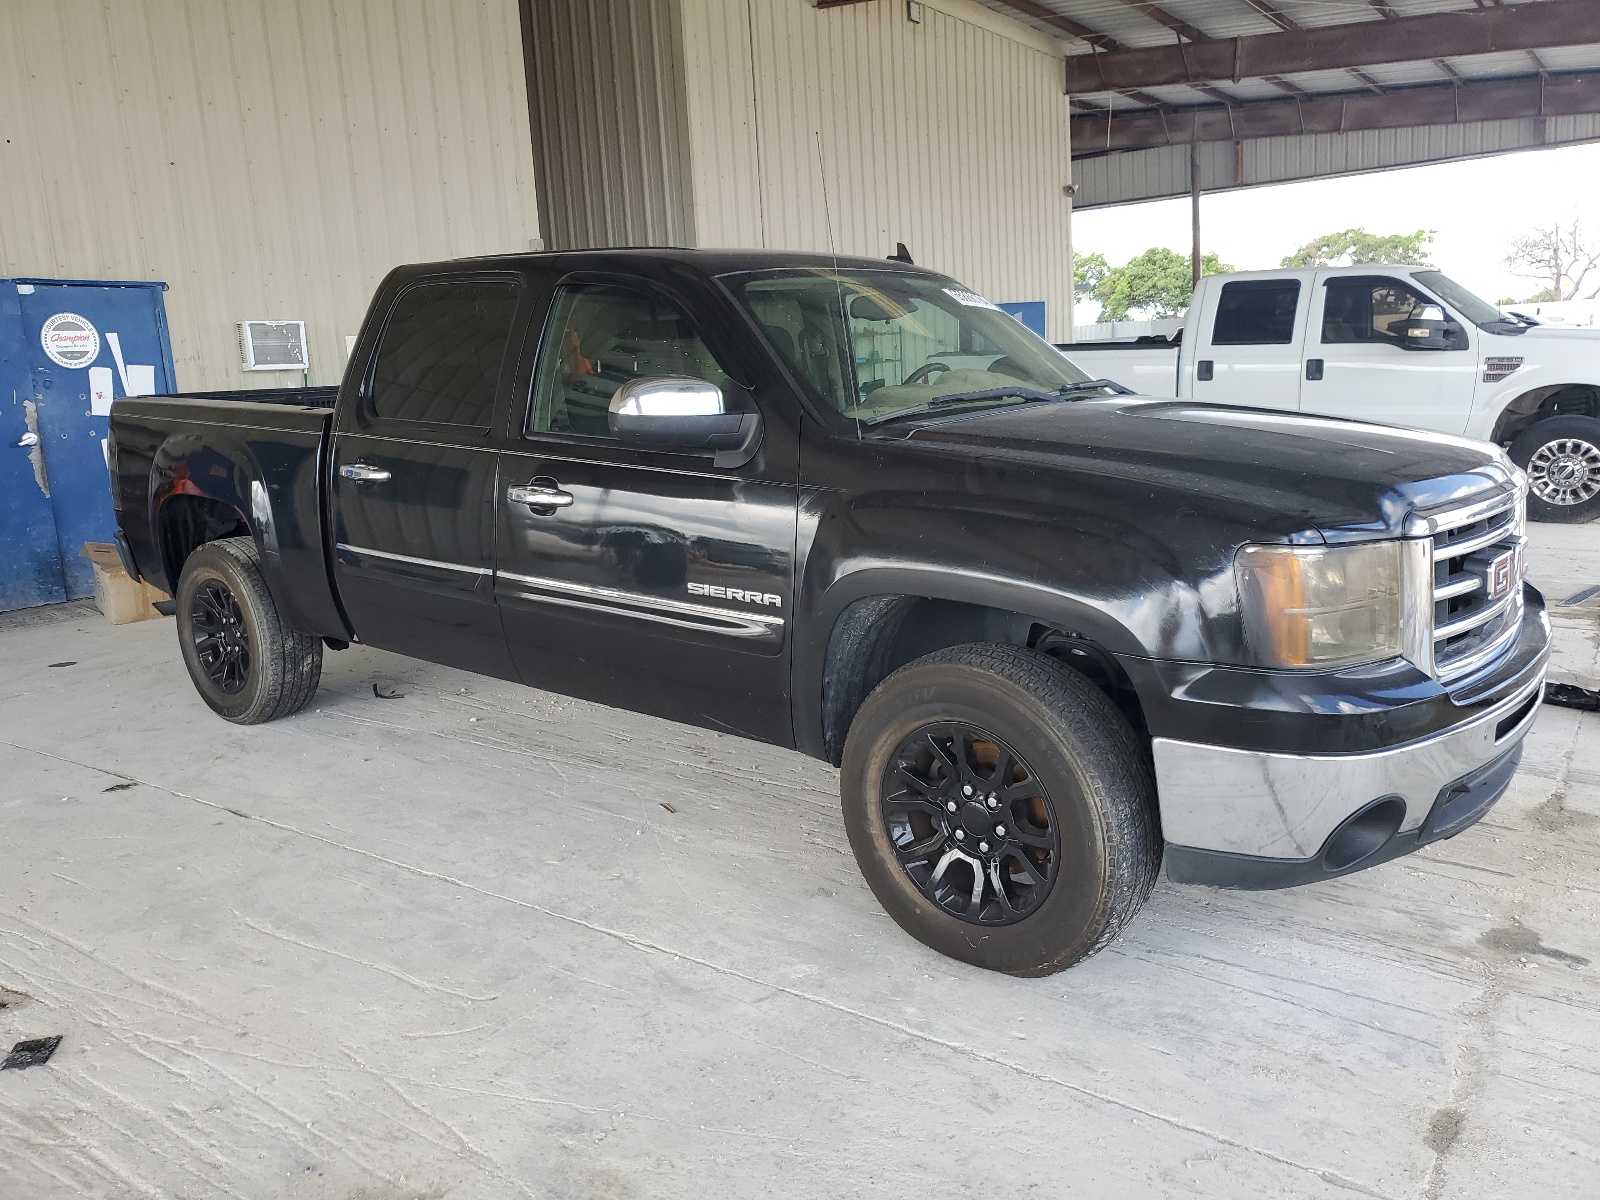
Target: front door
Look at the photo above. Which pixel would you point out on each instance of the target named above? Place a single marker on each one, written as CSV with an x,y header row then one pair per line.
x,y
1249,348
414,476
1358,365
638,578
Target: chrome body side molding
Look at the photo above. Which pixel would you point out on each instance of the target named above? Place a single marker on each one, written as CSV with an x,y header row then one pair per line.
x,y
730,622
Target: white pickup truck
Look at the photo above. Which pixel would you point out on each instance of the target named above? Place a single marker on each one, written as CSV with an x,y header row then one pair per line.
x,y
1399,345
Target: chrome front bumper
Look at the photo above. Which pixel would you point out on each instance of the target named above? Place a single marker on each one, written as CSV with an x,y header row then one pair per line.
x,y
1218,803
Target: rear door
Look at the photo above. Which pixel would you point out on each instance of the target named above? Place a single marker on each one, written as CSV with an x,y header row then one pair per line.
x,y
651,580
414,474
1357,364
1249,353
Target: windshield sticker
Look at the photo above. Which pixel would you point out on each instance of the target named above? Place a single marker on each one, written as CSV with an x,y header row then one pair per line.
x,y
970,299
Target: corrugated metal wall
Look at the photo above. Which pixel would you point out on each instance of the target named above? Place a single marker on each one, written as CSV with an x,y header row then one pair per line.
x,y
950,135
266,158
1151,174
604,77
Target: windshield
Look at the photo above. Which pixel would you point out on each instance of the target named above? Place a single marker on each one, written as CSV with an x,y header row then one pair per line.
x,y
1479,312
872,345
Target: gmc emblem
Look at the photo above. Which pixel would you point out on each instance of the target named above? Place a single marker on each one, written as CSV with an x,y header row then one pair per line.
x,y
1502,574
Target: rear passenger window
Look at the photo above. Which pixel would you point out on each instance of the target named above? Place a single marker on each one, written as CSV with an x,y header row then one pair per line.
x,y
599,337
442,351
1256,312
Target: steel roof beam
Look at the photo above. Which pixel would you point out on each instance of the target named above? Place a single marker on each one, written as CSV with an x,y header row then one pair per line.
x,y
1162,17
1429,104
1055,20
1338,47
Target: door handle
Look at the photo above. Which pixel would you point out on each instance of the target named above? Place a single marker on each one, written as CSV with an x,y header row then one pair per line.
x,y
1313,368
362,473
1203,370
28,439
541,493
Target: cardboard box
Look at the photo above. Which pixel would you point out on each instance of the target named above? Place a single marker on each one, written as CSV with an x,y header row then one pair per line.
x,y
119,596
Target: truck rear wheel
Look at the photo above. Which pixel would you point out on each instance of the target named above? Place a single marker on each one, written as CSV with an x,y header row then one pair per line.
x,y
246,663
1562,458
1001,808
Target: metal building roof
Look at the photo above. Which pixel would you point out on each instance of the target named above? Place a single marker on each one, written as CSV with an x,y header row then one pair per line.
x,y
1274,79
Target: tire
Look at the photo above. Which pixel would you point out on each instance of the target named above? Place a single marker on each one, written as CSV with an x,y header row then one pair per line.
x,y
1562,458
224,608
1066,742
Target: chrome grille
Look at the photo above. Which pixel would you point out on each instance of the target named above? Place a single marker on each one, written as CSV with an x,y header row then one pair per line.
x,y
1471,626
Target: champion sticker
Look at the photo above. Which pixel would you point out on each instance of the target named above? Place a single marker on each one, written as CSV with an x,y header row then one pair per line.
x,y
70,340
970,299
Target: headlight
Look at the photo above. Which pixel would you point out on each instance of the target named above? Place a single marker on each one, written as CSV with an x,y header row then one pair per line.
x,y
1336,606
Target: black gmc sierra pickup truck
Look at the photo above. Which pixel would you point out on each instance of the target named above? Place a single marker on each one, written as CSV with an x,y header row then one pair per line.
x,y
1048,630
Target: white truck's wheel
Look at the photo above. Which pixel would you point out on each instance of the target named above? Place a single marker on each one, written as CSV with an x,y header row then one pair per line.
x,y
1562,458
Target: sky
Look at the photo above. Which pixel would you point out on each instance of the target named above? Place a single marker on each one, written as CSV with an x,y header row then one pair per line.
x,y
1474,207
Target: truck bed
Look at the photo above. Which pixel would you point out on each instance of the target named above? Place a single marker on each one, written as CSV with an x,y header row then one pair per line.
x,y
257,457
1149,366
301,397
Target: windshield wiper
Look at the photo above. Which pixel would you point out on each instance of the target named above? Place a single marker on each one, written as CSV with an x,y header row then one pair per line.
x,y
1088,384
1022,395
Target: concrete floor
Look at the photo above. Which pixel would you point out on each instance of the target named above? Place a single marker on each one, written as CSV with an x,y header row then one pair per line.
x,y
481,941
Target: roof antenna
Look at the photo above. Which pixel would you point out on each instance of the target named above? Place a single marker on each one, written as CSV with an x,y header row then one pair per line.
x,y
901,254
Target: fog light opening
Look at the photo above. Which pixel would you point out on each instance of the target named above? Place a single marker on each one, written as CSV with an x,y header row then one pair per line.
x,y
1363,833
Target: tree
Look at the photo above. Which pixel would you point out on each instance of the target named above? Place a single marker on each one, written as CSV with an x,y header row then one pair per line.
x,y
1156,284
1556,256
1349,247
1087,272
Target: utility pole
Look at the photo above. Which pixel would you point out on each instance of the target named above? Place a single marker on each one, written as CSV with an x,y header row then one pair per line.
x,y
1194,207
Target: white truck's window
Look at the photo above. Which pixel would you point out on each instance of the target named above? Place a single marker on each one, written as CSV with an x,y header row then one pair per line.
x,y
1256,312
442,351
599,337
1368,309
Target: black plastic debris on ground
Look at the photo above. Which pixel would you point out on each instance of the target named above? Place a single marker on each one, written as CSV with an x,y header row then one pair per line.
x,y
1566,695
73,663
387,691
34,1053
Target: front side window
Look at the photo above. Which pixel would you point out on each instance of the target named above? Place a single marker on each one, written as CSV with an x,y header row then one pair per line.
x,y
1256,312
1369,309
442,351
868,345
600,336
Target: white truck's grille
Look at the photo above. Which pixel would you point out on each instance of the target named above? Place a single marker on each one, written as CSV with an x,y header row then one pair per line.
x,y
1477,584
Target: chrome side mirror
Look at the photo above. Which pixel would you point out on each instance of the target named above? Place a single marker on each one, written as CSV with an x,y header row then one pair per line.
x,y
680,413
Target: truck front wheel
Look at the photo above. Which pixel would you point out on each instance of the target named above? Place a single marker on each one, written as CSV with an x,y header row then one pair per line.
x,y
1562,458
1001,808
246,663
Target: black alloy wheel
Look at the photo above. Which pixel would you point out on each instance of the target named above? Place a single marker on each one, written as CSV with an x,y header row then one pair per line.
x,y
246,661
971,824
221,639
1057,864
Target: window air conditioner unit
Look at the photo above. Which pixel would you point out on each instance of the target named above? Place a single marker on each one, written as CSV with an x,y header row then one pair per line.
x,y
273,346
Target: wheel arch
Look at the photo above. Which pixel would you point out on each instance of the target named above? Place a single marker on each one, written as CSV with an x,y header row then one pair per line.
x,y
1549,400
874,631
187,520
